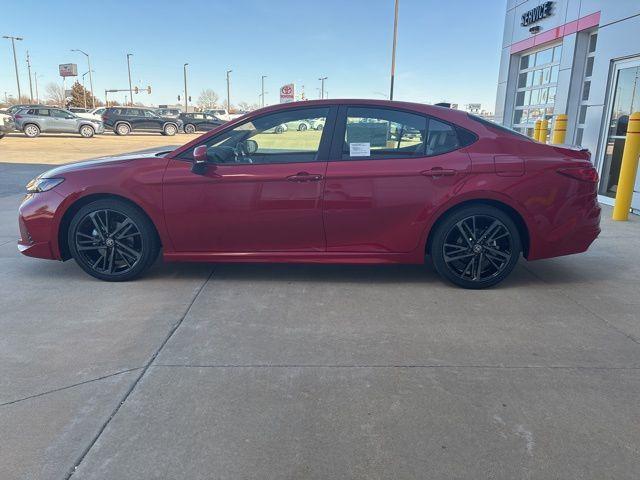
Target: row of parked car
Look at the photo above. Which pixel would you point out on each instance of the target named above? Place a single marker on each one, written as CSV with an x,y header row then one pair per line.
x,y
33,120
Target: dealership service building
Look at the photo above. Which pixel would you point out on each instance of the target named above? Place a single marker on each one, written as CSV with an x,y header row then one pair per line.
x,y
578,57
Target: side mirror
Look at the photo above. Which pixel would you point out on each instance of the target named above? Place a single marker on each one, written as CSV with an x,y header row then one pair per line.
x,y
199,160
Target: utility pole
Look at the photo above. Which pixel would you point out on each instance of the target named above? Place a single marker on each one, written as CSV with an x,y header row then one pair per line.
x,y
129,55
228,92
30,84
93,96
262,94
84,89
35,78
15,60
393,50
322,79
186,94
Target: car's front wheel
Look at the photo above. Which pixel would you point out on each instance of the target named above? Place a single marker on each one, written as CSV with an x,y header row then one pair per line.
x,y
189,128
87,131
31,130
476,246
170,129
112,240
302,127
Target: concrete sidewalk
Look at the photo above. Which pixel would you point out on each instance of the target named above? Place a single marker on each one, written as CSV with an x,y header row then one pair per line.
x,y
318,372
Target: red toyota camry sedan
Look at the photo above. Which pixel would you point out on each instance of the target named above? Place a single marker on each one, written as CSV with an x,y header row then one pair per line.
x,y
373,182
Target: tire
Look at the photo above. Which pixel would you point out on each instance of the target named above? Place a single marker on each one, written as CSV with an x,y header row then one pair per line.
x,y
170,130
279,129
122,129
189,128
112,240
485,255
31,130
302,127
87,131
319,126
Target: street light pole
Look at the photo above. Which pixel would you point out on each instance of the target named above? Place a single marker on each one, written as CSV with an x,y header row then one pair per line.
x,y
322,79
228,91
186,94
15,60
393,50
93,96
35,78
262,94
84,89
30,83
129,55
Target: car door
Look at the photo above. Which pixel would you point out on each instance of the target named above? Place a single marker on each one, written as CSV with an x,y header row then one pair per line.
x,y
387,172
59,121
151,121
267,201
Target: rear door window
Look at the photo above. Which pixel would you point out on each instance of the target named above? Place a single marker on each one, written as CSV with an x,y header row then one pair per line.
x,y
378,133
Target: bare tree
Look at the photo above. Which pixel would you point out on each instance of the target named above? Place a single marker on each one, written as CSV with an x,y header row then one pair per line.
x,y
208,99
55,94
243,106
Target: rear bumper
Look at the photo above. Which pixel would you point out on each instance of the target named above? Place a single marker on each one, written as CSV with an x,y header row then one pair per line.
x,y
573,234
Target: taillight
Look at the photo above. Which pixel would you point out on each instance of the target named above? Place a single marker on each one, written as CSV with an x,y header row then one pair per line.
x,y
17,117
584,174
105,117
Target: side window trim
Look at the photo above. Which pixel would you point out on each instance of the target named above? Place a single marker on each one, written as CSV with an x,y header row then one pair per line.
x,y
326,137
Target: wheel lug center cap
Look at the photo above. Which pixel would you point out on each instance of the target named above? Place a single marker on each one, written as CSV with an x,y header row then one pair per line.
x,y
477,248
109,242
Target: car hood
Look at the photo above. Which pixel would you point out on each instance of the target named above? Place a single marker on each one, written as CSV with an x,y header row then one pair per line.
x,y
159,152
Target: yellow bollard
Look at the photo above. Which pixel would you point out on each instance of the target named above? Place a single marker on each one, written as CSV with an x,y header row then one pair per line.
x,y
628,169
559,129
536,129
544,130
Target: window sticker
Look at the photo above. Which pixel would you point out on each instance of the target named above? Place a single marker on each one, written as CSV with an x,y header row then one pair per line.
x,y
360,149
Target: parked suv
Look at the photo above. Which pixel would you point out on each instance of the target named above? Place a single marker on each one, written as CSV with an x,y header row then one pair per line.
x,y
204,122
33,121
124,120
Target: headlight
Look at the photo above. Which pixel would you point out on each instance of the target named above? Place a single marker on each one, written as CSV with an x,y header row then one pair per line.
x,y
39,184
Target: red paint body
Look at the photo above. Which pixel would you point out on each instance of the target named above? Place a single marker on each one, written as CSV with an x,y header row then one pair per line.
x,y
364,211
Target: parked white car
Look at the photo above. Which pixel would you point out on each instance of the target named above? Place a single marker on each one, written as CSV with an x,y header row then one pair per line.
x,y
6,123
222,114
95,114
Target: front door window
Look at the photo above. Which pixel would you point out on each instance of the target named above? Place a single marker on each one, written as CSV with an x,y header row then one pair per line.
x,y
626,100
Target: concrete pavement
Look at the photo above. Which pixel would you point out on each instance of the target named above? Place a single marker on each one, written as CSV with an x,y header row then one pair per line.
x,y
316,372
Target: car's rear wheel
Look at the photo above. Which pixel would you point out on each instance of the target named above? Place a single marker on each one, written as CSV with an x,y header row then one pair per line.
x,y
123,129
302,127
476,247
31,130
87,131
319,126
189,128
112,240
279,129
170,129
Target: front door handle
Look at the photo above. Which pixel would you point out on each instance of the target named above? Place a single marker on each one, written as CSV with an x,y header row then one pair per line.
x,y
305,177
439,172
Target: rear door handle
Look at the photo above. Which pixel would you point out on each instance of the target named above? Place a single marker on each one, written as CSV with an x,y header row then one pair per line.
x,y
439,172
305,177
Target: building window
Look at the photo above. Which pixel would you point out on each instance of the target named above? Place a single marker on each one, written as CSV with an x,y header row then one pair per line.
x,y
536,90
586,88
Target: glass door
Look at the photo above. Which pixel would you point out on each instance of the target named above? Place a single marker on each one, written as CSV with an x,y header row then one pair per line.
x,y
625,99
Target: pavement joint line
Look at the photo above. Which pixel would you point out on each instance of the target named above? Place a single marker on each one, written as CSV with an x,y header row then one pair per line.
x,y
41,394
587,309
5,243
84,453
426,366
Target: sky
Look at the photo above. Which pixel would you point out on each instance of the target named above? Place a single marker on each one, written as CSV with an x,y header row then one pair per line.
x,y
446,50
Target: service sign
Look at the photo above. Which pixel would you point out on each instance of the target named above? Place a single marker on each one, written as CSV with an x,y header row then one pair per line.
x,y
536,14
287,93
68,70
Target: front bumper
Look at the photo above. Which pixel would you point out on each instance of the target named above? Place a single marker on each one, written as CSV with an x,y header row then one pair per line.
x,y
38,225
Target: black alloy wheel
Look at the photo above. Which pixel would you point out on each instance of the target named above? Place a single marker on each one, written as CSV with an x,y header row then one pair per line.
x,y
476,247
112,240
